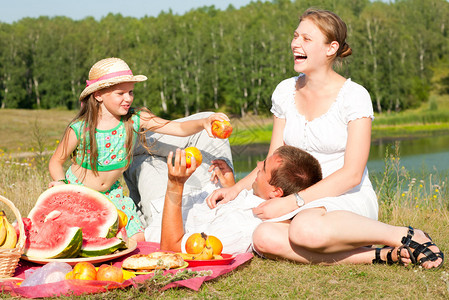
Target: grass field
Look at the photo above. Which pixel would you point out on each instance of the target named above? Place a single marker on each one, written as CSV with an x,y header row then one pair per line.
x,y
420,202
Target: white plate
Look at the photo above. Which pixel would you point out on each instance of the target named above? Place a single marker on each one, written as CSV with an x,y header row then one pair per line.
x,y
97,259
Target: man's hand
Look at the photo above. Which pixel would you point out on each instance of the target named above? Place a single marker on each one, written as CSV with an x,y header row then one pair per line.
x,y
221,196
172,229
222,172
179,173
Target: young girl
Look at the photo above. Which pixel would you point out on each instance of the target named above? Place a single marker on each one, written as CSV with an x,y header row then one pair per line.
x,y
102,135
330,117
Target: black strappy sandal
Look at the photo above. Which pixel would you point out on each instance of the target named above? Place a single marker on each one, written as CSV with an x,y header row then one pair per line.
x,y
409,244
389,260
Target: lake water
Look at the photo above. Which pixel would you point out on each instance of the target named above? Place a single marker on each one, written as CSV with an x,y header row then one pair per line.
x,y
416,155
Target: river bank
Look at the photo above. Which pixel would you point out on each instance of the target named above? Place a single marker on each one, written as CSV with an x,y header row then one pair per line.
x,y
40,130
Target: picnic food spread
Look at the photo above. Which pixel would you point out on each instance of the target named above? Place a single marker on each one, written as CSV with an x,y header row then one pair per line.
x,y
152,261
64,224
72,221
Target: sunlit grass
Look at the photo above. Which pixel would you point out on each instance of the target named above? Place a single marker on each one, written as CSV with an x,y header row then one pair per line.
x,y
18,128
420,200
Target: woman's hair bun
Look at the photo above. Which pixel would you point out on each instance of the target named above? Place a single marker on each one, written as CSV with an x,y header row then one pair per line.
x,y
344,50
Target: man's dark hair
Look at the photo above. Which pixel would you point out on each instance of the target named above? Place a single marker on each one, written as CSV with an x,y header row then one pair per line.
x,y
298,170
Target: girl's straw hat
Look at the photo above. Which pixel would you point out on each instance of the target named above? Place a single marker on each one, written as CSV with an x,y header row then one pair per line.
x,y
108,72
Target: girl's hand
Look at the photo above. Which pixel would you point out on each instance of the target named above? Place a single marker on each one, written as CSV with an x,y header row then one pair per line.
x,y
222,172
54,183
179,173
207,124
274,208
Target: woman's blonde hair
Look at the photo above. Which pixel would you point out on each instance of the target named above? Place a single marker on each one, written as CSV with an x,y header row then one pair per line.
x,y
333,28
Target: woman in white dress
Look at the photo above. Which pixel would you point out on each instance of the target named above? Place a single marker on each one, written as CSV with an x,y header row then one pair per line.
x,y
330,117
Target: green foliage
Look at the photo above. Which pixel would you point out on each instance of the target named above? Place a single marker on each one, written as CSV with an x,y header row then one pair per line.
x,y
231,60
445,85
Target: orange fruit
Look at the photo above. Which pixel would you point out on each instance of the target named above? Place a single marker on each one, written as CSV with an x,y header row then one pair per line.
x,y
195,243
198,241
83,270
215,243
193,151
122,219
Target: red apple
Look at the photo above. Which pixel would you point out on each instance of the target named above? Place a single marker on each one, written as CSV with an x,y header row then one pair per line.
x,y
110,273
221,129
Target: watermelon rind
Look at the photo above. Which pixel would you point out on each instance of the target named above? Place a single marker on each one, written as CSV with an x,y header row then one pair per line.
x,y
69,247
100,247
113,230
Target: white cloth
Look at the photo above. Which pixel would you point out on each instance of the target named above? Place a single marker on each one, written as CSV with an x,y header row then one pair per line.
x,y
233,222
325,138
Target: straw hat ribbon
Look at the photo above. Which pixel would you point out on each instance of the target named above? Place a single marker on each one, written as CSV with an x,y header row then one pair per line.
x,y
108,72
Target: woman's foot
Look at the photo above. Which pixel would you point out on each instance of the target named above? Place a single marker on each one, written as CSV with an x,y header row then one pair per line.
x,y
418,249
386,255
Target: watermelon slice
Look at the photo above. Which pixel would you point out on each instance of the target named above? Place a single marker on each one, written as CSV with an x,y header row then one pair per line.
x,y
100,246
59,216
69,243
123,235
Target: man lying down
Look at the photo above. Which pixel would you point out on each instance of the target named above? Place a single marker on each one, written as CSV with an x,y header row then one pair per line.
x,y
287,171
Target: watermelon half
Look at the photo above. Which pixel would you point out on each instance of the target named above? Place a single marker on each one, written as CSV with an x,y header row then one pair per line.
x,y
64,217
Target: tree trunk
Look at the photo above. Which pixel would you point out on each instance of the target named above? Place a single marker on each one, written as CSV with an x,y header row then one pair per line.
x,y
36,91
371,46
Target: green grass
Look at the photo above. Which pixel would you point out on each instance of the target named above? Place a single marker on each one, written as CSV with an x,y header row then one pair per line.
x,y
20,130
405,199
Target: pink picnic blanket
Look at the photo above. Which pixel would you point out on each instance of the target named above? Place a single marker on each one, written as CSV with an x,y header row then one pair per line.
x,y
80,287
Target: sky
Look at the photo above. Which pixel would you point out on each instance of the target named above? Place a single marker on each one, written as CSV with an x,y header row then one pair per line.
x,y
14,10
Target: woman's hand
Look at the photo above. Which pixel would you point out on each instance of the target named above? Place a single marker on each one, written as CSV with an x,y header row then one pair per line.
x,y
275,207
221,172
207,124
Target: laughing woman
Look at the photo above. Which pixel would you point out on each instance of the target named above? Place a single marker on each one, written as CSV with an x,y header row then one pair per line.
x,y
330,117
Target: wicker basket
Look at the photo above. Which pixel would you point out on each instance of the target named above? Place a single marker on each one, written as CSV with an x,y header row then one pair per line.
x,y
9,258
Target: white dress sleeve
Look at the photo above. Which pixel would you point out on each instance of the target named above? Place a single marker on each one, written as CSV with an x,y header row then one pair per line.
x,y
284,92
356,103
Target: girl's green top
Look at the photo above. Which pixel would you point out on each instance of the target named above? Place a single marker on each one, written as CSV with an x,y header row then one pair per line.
x,y
110,144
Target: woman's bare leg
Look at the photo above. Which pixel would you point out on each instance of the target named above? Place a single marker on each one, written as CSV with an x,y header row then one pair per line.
x,y
316,236
271,240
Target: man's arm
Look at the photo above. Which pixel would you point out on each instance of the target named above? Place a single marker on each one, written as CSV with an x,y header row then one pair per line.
x,y
172,226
